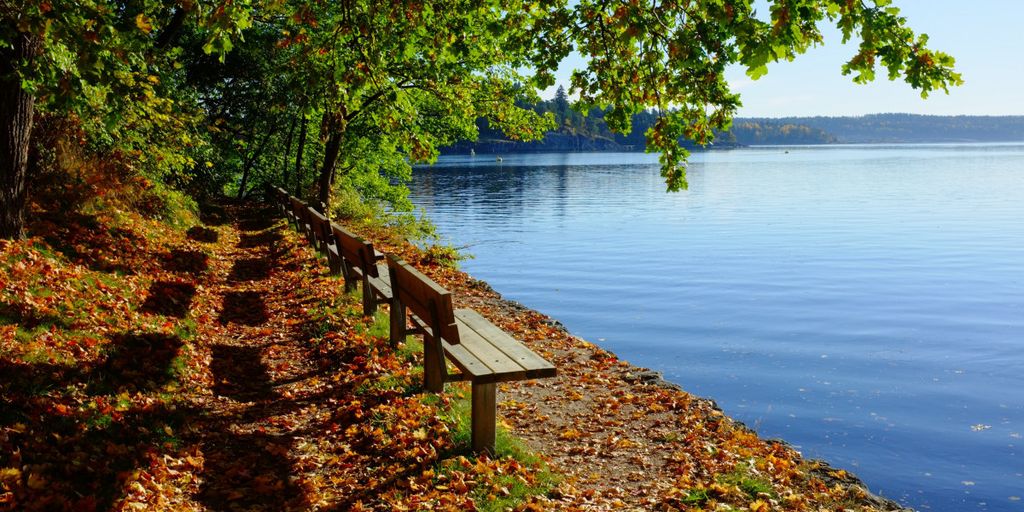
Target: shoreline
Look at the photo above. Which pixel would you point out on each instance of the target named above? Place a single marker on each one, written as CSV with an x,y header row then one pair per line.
x,y
576,357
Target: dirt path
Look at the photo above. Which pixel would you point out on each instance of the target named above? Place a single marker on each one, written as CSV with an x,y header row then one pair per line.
x,y
258,364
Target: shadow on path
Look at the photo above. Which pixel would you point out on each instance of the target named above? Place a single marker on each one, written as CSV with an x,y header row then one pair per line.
x,y
169,298
247,467
239,373
246,308
202,234
250,269
188,262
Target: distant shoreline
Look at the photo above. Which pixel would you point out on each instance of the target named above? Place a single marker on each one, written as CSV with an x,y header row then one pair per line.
x,y
783,131
720,147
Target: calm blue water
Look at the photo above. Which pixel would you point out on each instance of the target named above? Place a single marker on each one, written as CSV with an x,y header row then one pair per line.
x,y
864,303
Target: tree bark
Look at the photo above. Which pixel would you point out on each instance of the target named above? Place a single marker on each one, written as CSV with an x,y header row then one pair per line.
x,y
173,28
16,115
298,157
331,151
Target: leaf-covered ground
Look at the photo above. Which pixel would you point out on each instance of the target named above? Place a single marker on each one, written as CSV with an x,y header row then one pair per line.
x,y
221,368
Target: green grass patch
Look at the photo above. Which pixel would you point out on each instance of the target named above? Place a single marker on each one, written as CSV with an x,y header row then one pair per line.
x,y
186,329
458,415
746,481
698,496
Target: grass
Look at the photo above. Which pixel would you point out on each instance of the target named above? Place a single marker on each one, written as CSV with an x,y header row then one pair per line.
x,y
506,491
743,478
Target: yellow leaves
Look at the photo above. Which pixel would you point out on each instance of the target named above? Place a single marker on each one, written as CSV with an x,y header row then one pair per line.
x,y
8,475
571,434
759,506
142,22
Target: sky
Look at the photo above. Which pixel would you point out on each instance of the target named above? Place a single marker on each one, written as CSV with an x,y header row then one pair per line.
x,y
985,36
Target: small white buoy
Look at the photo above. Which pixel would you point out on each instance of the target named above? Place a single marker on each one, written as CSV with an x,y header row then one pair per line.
x,y
499,158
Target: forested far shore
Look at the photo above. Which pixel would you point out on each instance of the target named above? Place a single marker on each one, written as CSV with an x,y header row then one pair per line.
x,y
587,131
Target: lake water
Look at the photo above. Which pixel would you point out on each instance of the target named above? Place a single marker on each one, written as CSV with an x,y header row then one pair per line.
x,y
864,303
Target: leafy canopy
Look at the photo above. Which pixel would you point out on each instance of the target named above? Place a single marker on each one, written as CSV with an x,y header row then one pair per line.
x,y
383,84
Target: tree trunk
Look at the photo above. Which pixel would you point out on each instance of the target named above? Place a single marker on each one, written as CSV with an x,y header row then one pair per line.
x,y
16,110
298,157
331,151
170,32
252,160
287,152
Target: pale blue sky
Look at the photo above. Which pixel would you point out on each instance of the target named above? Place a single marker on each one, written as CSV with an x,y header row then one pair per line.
x,y
985,36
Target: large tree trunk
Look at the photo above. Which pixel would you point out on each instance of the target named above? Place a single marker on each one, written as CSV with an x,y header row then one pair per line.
x,y
331,151
16,110
298,157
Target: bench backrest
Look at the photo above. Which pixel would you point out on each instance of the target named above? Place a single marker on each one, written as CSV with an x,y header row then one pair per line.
x,y
321,228
355,250
302,217
280,196
425,298
297,207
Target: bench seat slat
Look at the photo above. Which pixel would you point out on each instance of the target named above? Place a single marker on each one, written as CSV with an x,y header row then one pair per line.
x,y
382,287
485,350
470,365
534,366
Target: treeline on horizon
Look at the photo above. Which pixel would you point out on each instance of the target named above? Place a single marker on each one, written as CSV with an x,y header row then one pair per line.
x,y
587,131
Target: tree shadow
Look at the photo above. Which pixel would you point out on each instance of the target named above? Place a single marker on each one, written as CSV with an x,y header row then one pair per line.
x,y
189,262
252,240
250,269
259,222
202,234
77,461
212,214
74,455
84,240
249,472
246,308
139,362
252,470
28,317
21,380
239,373
169,298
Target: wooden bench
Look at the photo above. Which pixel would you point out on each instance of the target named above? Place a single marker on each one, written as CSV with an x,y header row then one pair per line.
x,y
281,199
301,213
325,240
484,354
359,265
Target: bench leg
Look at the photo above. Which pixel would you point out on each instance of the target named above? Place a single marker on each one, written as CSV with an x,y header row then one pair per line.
x,y
397,317
335,265
433,372
484,418
369,300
